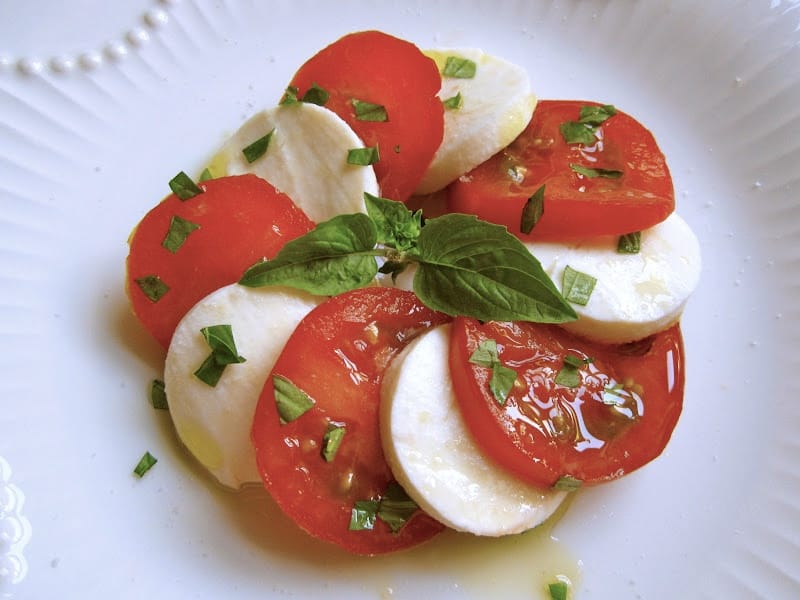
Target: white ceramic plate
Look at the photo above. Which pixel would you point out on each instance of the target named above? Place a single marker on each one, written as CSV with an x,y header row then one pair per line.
x,y
101,106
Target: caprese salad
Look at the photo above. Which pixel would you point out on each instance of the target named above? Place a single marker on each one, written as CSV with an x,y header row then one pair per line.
x,y
409,296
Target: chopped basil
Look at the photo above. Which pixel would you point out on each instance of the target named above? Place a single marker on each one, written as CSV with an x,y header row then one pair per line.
x,y
459,67
153,287
614,395
363,156
291,401
532,211
183,186
454,102
569,375
594,173
577,287
178,233
206,175
258,148
503,378
367,111
574,132
145,464
331,440
223,353
558,590
363,515
630,243
158,395
595,115
567,483
290,96
396,508
316,95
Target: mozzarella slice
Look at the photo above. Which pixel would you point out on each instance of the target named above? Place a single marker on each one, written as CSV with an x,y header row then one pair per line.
x,y
214,422
497,104
636,295
306,159
433,456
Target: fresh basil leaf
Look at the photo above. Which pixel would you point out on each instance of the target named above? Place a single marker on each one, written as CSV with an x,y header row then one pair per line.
x,y
567,483
454,102
152,286
178,233
331,440
630,243
485,355
591,173
206,175
397,226
532,211
368,111
290,96
396,507
336,256
503,378
316,95
477,269
569,375
558,590
158,395
258,148
363,515
596,115
291,402
459,67
577,287
145,464
363,157
183,186
577,133
223,353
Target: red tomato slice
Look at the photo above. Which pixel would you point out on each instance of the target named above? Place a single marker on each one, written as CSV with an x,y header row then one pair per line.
x,y
337,355
236,222
619,416
574,205
371,66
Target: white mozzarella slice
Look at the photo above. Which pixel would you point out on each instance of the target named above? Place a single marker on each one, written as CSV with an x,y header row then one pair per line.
x,y
306,159
497,104
433,456
636,295
214,422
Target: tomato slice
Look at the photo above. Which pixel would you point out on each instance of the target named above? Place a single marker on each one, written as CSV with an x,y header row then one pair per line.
x,y
234,223
619,416
371,66
635,193
337,355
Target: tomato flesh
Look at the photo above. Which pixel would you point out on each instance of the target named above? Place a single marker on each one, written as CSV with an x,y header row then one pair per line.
x,y
337,355
240,220
574,205
374,67
619,417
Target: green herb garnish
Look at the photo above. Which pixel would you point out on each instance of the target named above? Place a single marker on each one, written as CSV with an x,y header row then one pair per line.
x,y
331,440
558,590
158,395
395,508
577,287
316,95
363,515
532,211
206,175
591,173
183,186
291,401
178,233
454,102
145,464
258,148
363,156
459,68
567,483
465,266
596,115
569,375
503,378
630,243
223,353
368,111
290,96
583,131
152,286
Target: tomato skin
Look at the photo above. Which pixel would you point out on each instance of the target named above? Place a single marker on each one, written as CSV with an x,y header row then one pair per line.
x,y
375,67
546,430
338,355
574,205
242,219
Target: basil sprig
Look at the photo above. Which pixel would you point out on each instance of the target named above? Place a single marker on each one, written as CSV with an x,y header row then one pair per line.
x,y
465,266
